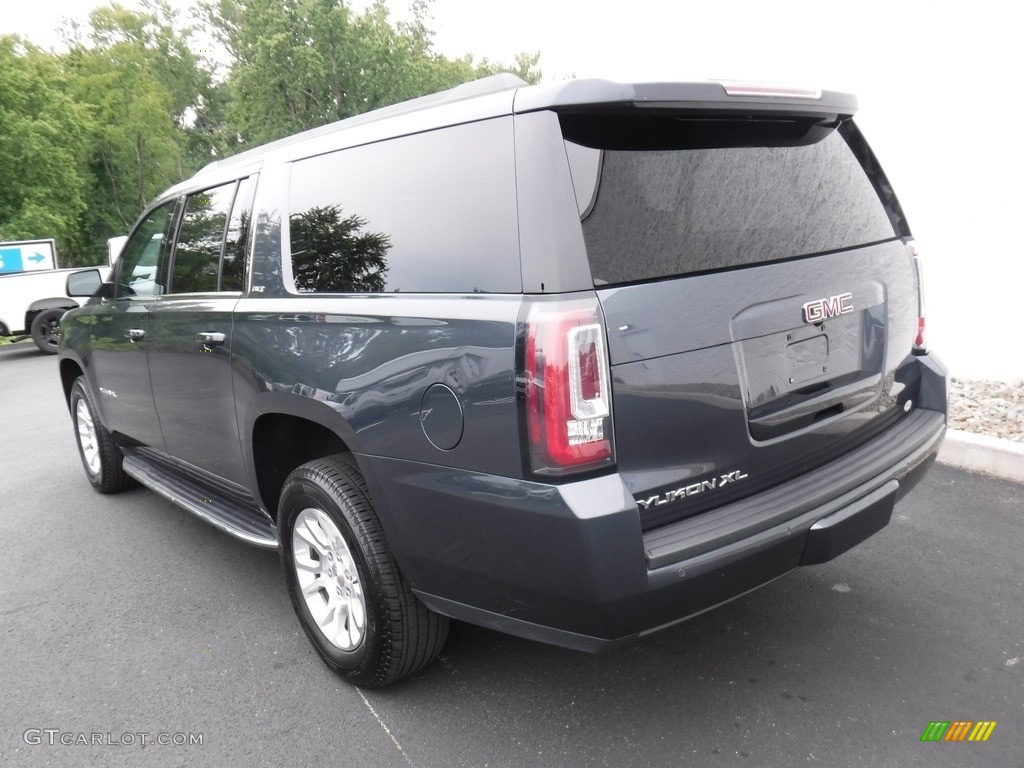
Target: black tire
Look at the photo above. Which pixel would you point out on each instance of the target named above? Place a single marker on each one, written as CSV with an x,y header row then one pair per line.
x,y
46,330
101,458
399,635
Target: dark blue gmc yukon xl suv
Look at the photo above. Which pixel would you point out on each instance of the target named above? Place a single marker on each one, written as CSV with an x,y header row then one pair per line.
x,y
573,362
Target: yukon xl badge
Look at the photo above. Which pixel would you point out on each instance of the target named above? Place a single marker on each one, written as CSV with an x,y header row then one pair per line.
x,y
691,490
822,309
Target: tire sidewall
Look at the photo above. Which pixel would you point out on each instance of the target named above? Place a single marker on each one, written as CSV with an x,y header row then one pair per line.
x,y
361,663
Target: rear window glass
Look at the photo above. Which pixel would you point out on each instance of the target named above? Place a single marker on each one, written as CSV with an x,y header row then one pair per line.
x,y
651,210
433,212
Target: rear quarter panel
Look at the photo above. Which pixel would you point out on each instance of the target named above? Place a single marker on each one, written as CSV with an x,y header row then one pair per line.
x,y
361,365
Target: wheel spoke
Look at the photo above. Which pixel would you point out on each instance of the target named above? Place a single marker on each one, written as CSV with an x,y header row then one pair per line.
x,y
316,530
357,615
328,614
311,533
338,623
305,562
312,589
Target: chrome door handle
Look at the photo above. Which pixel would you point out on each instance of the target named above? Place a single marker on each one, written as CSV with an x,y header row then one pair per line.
x,y
135,334
210,339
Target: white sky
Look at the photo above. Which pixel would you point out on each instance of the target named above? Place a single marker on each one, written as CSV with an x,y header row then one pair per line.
x,y
937,83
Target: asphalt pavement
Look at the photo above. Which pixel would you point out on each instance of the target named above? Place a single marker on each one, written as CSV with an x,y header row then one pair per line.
x,y
125,622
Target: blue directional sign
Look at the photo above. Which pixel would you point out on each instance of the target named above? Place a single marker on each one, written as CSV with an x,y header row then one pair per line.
x,y
27,256
10,260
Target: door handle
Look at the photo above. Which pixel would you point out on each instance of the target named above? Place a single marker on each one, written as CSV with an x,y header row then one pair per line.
x,y
210,339
135,334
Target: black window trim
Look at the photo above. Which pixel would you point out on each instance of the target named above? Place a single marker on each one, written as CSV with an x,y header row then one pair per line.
x,y
245,234
179,215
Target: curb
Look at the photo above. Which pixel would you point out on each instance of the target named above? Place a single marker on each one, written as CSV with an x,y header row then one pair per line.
x,y
983,453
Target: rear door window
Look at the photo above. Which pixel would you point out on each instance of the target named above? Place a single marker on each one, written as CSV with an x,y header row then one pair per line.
x,y
209,255
201,239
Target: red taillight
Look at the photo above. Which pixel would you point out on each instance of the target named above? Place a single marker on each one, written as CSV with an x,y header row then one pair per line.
x,y
568,398
920,347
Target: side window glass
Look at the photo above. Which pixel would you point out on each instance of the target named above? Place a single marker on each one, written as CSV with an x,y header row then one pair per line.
x,y
434,212
200,239
144,252
232,270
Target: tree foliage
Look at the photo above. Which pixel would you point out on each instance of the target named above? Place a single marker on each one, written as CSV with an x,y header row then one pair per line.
x,y
88,136
302,63
336,254
42,147
143,86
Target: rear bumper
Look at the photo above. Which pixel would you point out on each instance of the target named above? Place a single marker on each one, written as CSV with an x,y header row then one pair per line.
x,y
569,564
797,505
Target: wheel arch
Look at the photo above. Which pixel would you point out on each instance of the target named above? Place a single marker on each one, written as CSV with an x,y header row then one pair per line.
x,y
40,305
69,371
283,441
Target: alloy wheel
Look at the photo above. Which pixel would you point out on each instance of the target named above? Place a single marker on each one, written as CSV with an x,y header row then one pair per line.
x,y
328,579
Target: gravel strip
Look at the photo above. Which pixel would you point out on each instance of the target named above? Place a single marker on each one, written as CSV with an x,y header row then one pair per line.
x,y
994,408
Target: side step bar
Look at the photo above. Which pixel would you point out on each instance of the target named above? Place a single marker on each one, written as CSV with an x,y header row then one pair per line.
x,y
233,514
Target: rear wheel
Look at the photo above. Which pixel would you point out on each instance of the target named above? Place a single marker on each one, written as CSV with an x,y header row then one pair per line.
x,y
101,457
46,330
353,603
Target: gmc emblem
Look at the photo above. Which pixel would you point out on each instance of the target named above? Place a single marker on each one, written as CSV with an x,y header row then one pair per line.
x,y
822,309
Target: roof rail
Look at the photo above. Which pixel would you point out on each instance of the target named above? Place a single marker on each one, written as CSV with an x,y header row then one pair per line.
x,y
484,86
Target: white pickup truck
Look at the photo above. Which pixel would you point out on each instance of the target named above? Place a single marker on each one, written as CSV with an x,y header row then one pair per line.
x,y
33,302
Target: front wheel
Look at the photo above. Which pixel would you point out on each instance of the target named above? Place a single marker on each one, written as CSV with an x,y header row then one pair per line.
x,y
345,586
46,330
101,458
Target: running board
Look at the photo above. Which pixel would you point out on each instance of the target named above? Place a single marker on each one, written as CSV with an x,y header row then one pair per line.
x,y
236,516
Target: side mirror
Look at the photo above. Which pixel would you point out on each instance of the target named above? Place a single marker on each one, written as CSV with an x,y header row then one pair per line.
x,y
84,283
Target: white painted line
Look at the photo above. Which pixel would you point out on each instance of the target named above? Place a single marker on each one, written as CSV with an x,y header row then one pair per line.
x,y
383,725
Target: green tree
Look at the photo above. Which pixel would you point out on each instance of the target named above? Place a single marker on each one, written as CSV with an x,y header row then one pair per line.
x,y
298,64
43,145
90,136
332,254
150,99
